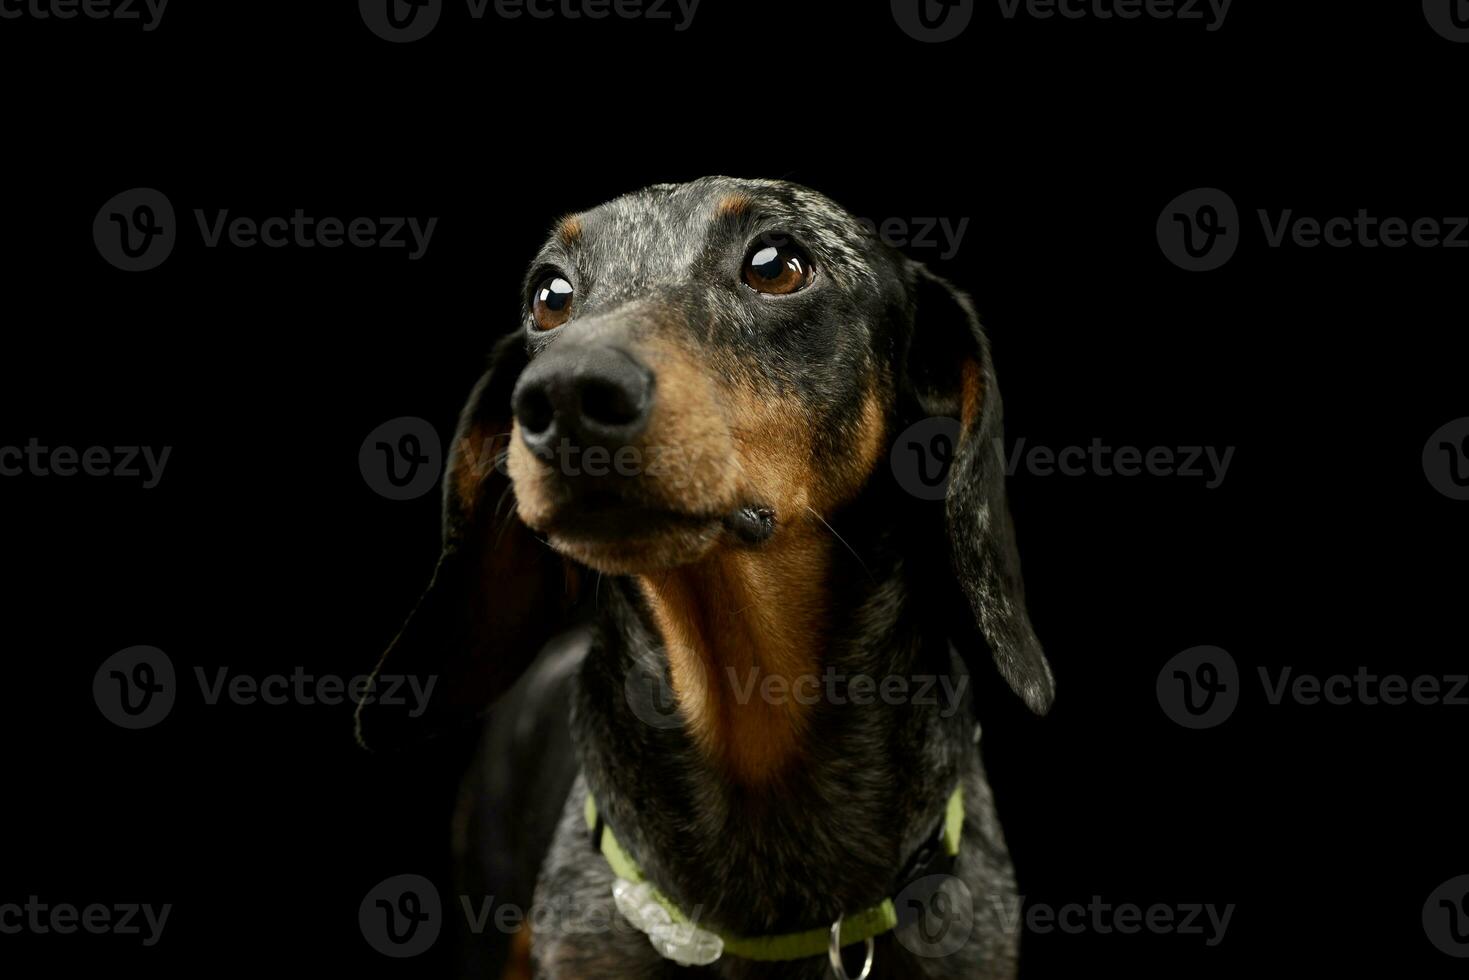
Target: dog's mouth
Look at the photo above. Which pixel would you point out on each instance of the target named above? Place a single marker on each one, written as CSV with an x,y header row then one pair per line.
x,y
611,517
612,533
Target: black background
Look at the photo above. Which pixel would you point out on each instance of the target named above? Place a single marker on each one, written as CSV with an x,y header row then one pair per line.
x,y
264,550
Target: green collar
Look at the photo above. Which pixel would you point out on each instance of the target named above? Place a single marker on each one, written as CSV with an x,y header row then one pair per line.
x,y
864,925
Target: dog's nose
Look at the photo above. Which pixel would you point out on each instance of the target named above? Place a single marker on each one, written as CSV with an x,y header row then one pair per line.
x,y
592,396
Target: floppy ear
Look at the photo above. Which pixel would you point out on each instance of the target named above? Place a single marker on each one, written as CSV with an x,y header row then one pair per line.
x,y
950,373
497,595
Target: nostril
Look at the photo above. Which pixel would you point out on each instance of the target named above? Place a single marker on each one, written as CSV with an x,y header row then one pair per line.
x,y
610,403
534,411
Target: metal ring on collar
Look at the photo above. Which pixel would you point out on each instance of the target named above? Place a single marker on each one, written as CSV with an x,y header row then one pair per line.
x,y
834,951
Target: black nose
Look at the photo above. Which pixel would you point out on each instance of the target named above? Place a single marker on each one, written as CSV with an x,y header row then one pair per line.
x,y
590,396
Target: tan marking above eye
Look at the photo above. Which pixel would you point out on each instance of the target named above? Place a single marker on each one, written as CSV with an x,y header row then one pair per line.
x,y
552,303
734,205
569,230
776,269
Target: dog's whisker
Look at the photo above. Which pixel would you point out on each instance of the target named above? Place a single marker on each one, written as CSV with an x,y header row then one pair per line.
x,y
505,518
741,610
541,540
504,496
843,540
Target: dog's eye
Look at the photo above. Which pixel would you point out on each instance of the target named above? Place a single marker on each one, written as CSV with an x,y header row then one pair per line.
x,y
552,305
777,269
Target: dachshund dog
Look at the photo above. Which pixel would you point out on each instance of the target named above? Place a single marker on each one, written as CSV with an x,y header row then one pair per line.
x,y
679,561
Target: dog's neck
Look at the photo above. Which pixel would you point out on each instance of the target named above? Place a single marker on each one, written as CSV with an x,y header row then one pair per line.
x,y
745,633
798,769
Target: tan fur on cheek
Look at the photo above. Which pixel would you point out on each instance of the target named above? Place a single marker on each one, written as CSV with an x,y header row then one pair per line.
x,y
774,450
777,454
863,441
534,500
687,452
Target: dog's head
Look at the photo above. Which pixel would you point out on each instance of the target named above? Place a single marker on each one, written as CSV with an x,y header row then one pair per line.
x,y
704,368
